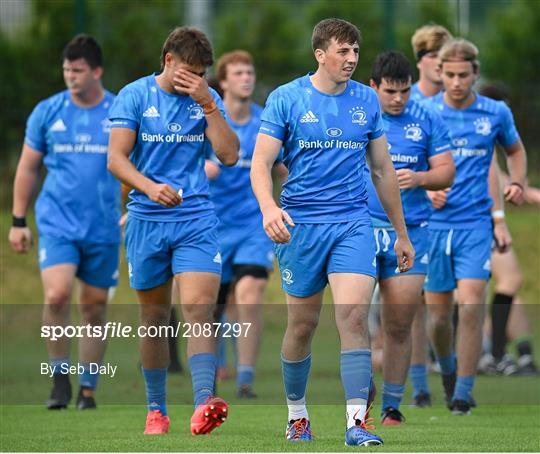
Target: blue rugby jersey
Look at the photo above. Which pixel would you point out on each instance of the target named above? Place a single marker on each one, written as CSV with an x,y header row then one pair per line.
x,y
80,198
473,132
413,137
324,144
231,191
171,147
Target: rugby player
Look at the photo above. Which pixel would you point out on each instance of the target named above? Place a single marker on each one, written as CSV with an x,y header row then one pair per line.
x,y
461,231
326,124
419,145
162,125
77,211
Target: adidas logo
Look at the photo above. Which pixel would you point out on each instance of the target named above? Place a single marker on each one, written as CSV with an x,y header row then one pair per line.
x,y
487,265
424,260
309,117
58,126
151,112
217,258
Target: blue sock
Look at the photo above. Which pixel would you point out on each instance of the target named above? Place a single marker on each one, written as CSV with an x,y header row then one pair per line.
x,y
88,379
60,365
244,375
464,386
295,376
419,379
448,364
392,395
203,374
156,389
356,373
221,356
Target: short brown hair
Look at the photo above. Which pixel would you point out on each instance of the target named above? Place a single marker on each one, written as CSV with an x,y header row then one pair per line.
x,y
230,58
460,50
429,38
341,30
190,45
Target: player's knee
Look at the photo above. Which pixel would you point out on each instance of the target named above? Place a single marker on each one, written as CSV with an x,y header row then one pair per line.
x,y
93,314
304,329
440,320
200,311
471,315
398,331
155,314
57,299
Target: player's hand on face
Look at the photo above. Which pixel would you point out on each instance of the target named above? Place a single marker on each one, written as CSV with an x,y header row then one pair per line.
x,y
405,254
20,239
503,239
438,198
164,195
407,179
193,85
514,194
274,225
211,169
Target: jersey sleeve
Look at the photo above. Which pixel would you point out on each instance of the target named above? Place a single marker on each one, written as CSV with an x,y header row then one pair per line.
x,y
439,141
508,134
378,126
36,130
274,116
125,111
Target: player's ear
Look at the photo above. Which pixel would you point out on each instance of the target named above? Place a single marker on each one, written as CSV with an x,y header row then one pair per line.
x,y
97,72
320,56
372,84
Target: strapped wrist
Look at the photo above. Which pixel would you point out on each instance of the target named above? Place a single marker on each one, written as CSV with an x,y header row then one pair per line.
x,y
18,221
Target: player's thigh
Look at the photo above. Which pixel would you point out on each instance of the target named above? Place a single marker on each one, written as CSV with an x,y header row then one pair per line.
x,y
148,253
472,291
198,287
196,253
505,267
58,283
99,265
304,311
353,253
471,252
401,296
441,276
303,260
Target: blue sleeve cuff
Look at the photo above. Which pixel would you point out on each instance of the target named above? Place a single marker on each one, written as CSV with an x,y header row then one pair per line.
x,y
34,145
376,134
272,130
124,123
443,148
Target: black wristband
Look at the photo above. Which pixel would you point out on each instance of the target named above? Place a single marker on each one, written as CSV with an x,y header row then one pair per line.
x,y
18,222
515,183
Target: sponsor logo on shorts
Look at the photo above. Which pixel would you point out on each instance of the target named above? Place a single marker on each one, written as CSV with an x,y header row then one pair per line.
x,y
42,255
130,270
487,265
424,260
287,276
217,258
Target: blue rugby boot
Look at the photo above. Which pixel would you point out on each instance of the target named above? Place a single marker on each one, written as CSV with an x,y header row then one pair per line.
x,y
359,435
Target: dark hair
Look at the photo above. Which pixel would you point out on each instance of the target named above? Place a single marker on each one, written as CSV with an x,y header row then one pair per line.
x,y
393,66
213,82
496,91
84,46
341,30
190,45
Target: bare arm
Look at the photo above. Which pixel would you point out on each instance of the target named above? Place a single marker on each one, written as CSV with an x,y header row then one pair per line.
x,y
265,154
223,139
24,185
501,234
516,159
385,181
121,142
439,176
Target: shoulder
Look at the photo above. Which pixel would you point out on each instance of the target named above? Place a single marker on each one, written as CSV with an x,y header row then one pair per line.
x,y
362,92
290,90
52,104
491,106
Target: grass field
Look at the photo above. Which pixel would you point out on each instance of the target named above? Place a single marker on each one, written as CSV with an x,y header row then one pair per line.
x,y
508,417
